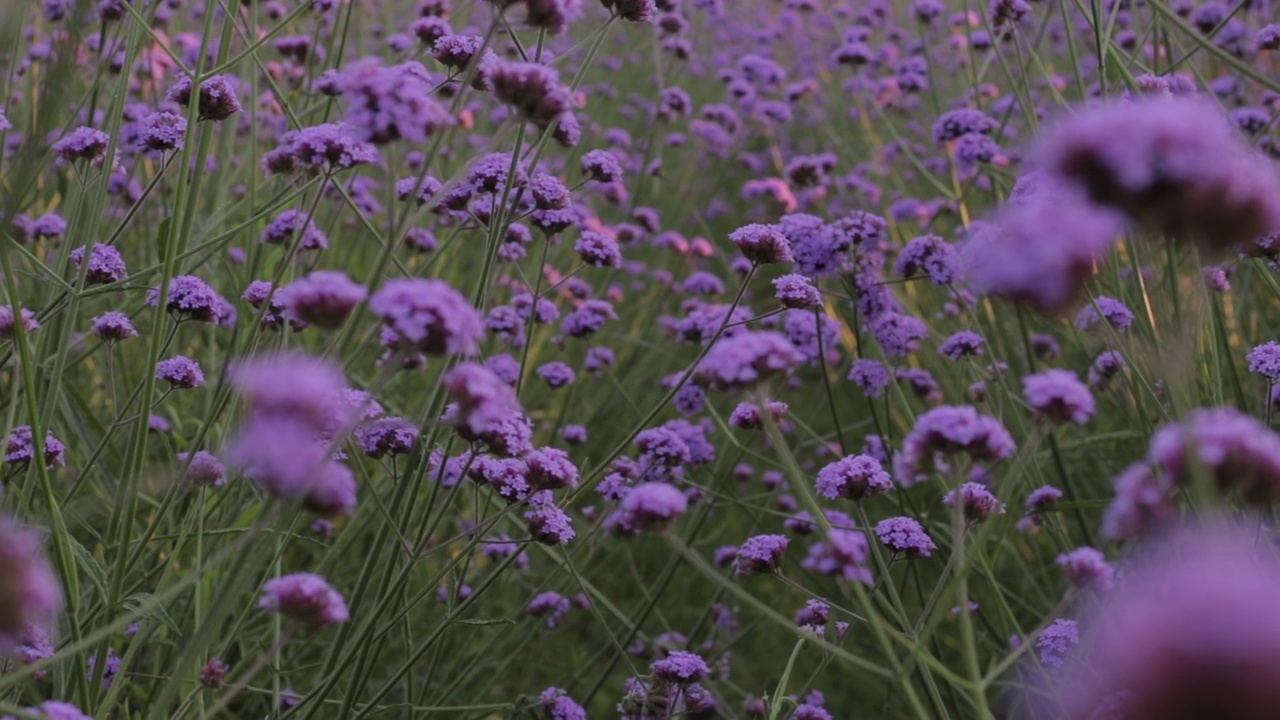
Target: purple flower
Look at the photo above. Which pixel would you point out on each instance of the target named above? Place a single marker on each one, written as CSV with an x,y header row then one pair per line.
x,y
870,375
217,100
1107,365
428,315
324,298
680,667
796,291
602,166
636,11
389,103
83,143
180,372
1043,497
965,343
1087,569
930,255
7,324
289,224
1175,166
214,673
1113,311
1192,633
551,605
32,596
21,448
112,326
105,264
162,131
843,554
293,384
387,436
1058,396
55,710
855,477
897,333
556,374
535,91
746,359
557,705
761,554
551,468
598,250
191,298
1055,641
306,598
203,469
977,502
647,507
762,244
289,461
1238,452
950,429
747,415
1268,38
1265,361
963,121
320,149
906,536
481,400
547,523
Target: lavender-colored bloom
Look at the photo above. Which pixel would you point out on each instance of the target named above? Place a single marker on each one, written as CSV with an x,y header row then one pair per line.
x,y
55,710
180,372
20,448
636,11
324,298
325,148
870,375
105,264
762,244
761,554
1087,569
550,468
796,291
747,416
965,343
31,595
680,667
428,315
955,123
1113,311
598,250
1239,452
191,298
557,705
481,399
556,374
950,429
389,103
977,502
1268,38
1265,361
855,477
905,536
548,524
293,384
112,326
203,469
217,100
1192,633
1175,166
898,334
746,359
574,434
508,476
1043,497
843,554
83,143
549,605
289,224
647,507
1055,641
306,598
975,148
932,256
162,131
285,457
1058,396
535,91
387,436
214,673
602,166
1107,365
703,283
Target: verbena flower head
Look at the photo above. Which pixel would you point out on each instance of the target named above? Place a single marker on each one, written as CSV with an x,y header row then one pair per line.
x,y
535,91
1058,396
932,256
290,225
976,500
20,448
1175,166
162,131
905,536
871,376
180,372
481,400
950,429
386,436
54,710
963,121
1265,361
1055,641
855,477
325,148
680,667
557,705
761,554
1191,633
1238,452
796,291
83,143
842,554
389,103
105,264
745,359
598,250
637,11
203,469
324,298
428,315
1113,311
646,507
294,384
762,244
217,100
191,298
304,597
1087,568
29,592
965,343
